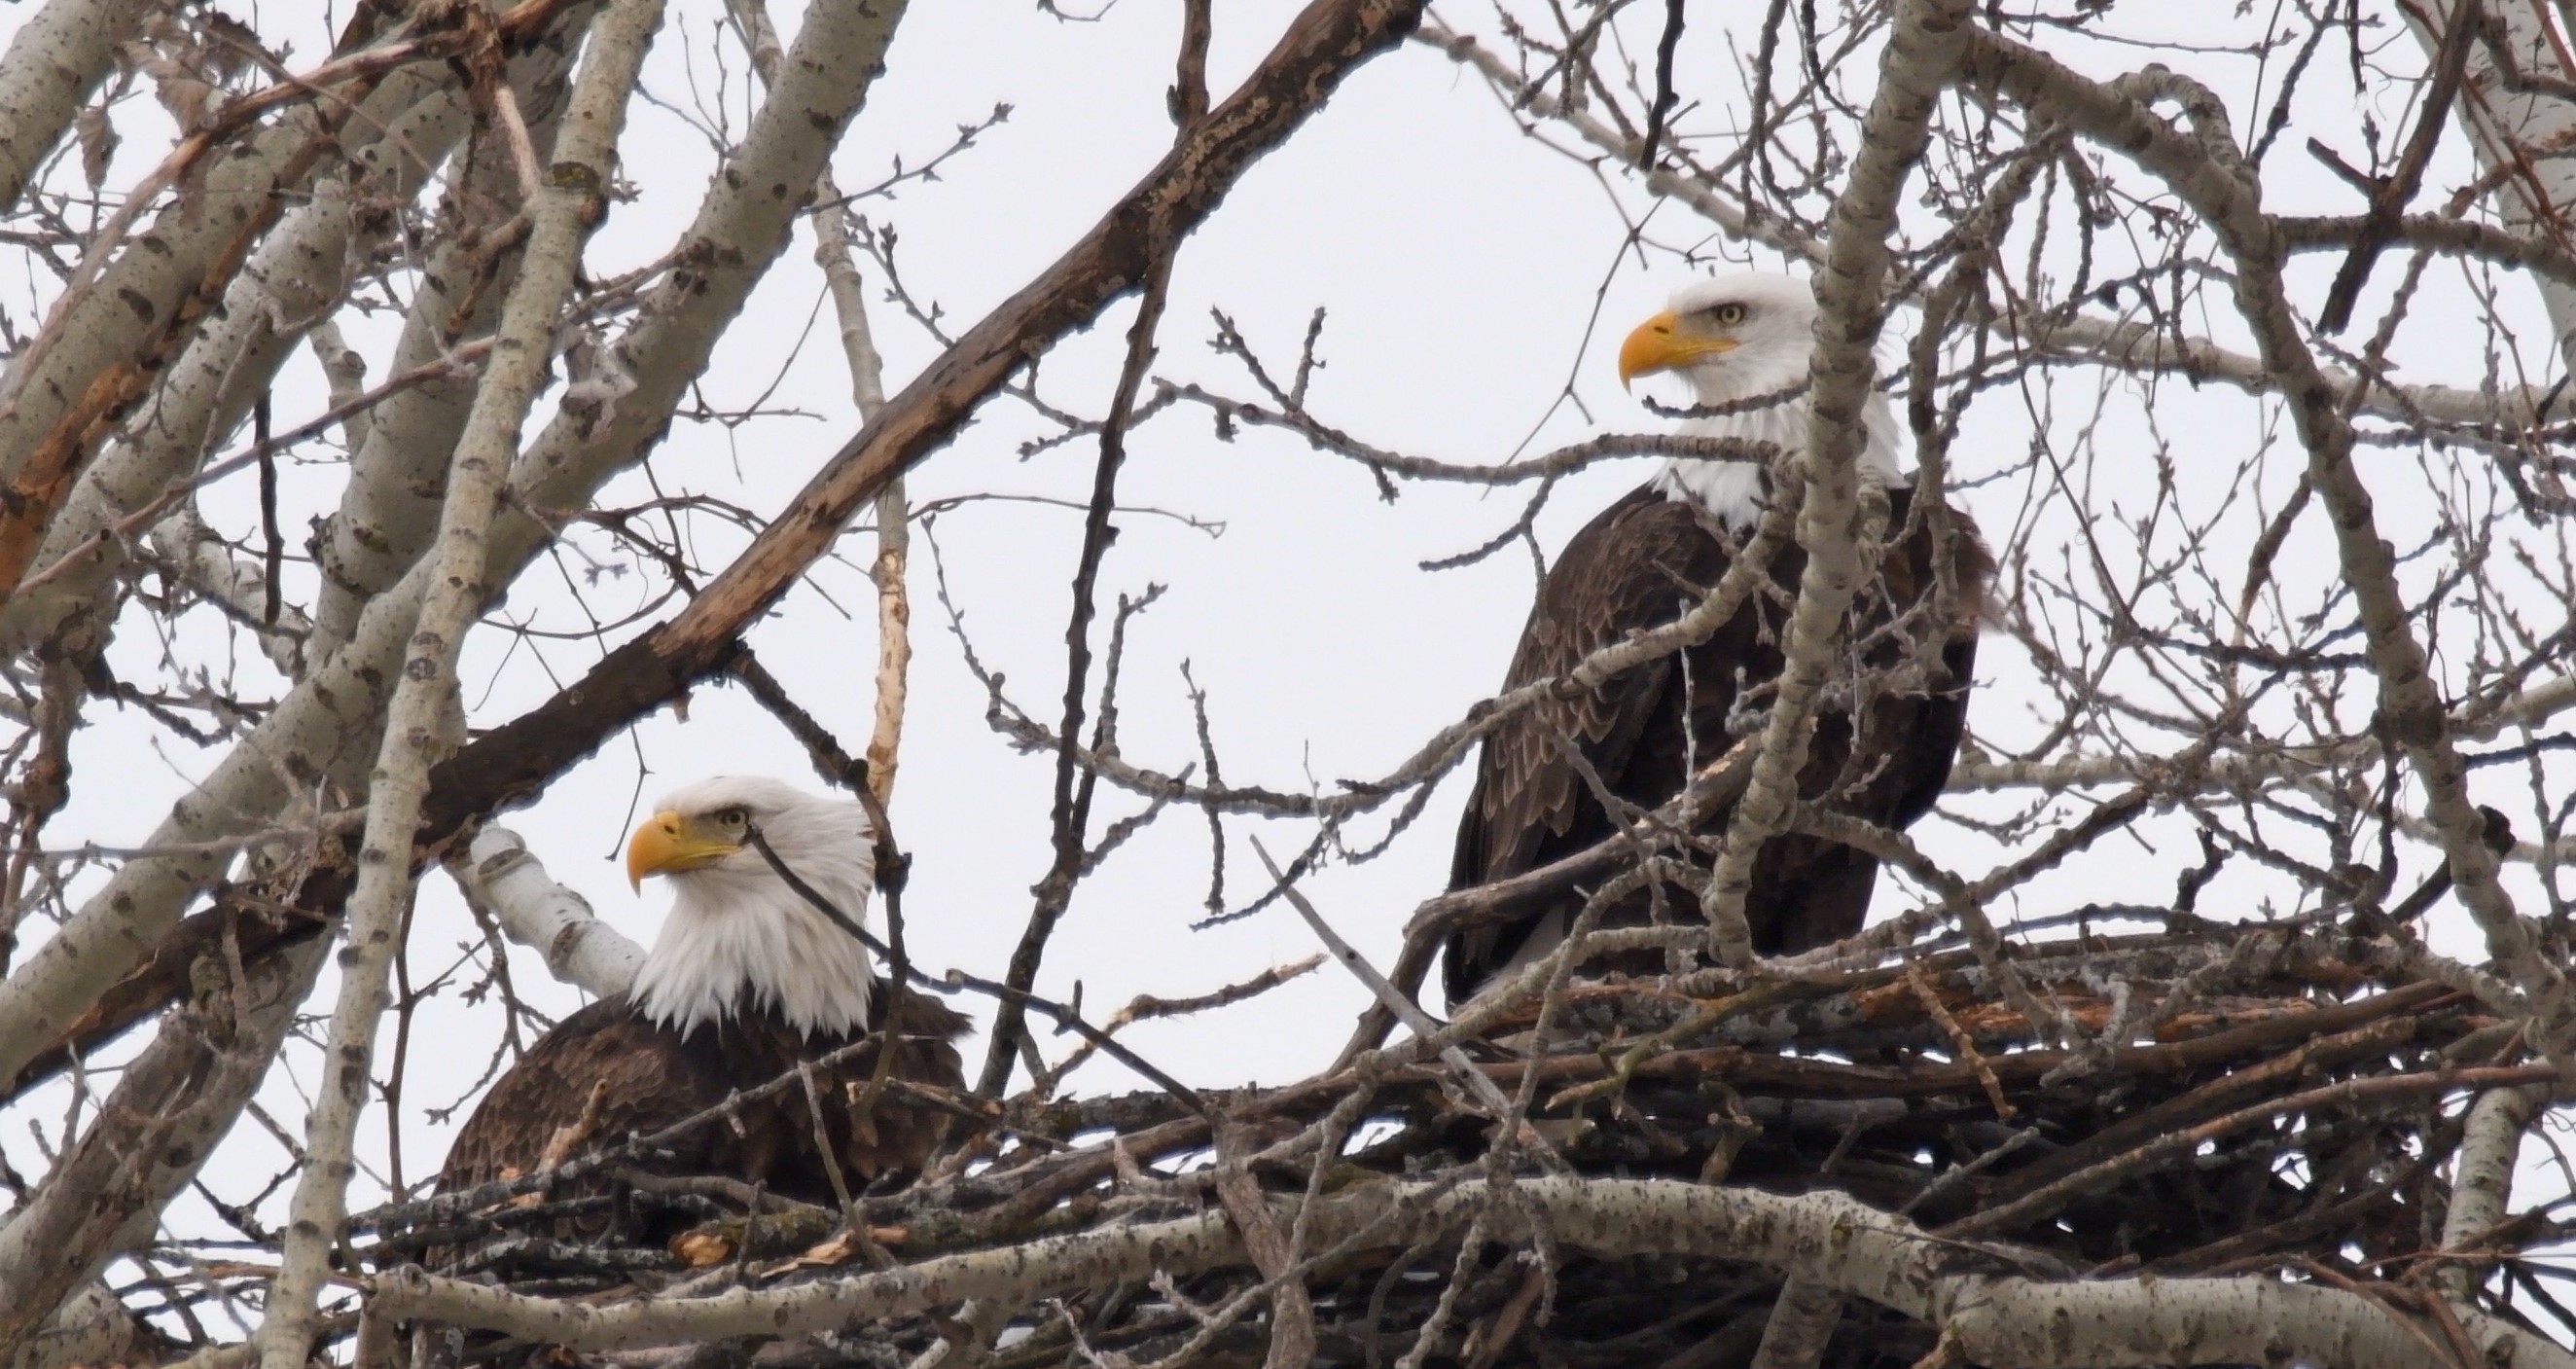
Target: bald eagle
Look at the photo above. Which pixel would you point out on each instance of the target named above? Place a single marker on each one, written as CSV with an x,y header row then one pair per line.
x,y
746,980
1884,738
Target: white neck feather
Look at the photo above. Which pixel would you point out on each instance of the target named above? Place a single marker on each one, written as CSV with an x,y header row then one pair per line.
x,y
1733,490
739,941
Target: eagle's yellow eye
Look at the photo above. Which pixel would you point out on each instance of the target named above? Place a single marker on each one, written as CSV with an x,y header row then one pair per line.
x,y
730,818
1727,315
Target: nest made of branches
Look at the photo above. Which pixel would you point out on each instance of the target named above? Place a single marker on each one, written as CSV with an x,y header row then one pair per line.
x,y
2203,1099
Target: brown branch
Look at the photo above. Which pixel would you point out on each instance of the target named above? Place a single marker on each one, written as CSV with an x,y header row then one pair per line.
x,y
1149,1007
2200,162
517,759
1718,784
1960,1040
260,928
1292,1308
2173,1145
1069,819
1189,90
2388,206
1324,44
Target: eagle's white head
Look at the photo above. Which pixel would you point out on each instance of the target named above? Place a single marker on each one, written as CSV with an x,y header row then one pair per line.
x,y
738,939
1738,337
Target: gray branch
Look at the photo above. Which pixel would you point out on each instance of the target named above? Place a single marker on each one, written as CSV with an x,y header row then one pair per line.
x,y
1851,299
1997,1318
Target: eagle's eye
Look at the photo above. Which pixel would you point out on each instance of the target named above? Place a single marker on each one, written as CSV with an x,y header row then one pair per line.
x,y
731,819
1727,315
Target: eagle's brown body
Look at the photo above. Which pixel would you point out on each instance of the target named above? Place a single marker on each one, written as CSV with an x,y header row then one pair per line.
x,y
1639,565
648,1077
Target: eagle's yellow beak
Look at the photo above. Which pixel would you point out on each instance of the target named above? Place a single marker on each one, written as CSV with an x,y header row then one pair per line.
x,y
1661,343
668,843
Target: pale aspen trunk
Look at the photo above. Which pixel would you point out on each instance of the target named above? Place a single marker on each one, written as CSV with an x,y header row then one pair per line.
x,y
389,507
336,712
184,541
56,59
157,1128
299,276
344,370
2482,1178
91,1327
298,273
570,205
140,303
1802,1324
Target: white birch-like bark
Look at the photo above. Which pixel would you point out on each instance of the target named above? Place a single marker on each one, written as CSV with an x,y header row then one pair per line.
x,y
1995,1319
52,65
867,391
2529,129
298,272
132,297
293,283
185,541
1802,1324
500,875
740,229
169,1109
1851,298
344,370
893,505
389,507
91,1328
2482,1179
570,202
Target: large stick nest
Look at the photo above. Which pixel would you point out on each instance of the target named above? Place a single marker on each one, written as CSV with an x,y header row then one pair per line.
x,y
2209,1099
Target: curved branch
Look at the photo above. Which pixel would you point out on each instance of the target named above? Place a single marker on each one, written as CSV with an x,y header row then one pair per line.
x,y
2199,160
1973,1292
1325,43
53,64
498,874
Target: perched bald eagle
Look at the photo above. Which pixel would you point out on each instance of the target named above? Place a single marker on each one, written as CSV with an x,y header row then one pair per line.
x,y
747,979
1890,722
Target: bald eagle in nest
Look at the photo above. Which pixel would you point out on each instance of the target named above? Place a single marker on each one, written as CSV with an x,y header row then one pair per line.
x,y
1891,717
747,980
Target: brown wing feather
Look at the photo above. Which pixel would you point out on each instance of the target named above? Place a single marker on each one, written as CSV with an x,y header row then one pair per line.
x,y
647,1077
1635,566
896,1137
1638,565
1886,758
639,1069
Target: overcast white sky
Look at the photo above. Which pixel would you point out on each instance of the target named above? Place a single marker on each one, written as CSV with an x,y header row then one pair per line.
x,y
1460,262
